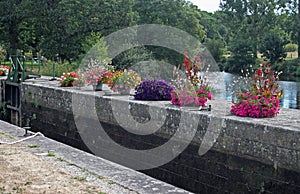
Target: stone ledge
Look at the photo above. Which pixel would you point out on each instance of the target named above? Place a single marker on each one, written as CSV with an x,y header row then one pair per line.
x,y
274,141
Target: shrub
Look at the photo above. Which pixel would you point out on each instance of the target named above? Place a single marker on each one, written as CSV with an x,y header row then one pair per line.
x,y
153,90
289,67
215,47
291,47
298,71
131,57
272,47
2,53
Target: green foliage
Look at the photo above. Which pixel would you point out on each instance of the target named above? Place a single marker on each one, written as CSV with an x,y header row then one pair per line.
x,y
155,70
266,24
78,19
59,27
241,56
79,178
59,68
215,47
298,71
50,154
165,55
176,13
272,47
289,67
64,30
291,47
131,57
214,26
2,53
95,47
3,111
33,146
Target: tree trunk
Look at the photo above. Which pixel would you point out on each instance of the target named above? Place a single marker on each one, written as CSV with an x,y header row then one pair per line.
x,y
13,37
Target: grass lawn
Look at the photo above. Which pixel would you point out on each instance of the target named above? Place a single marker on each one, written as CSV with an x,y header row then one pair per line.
x,y
291,55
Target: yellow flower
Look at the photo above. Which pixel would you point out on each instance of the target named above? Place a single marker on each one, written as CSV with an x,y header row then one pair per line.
x,y
266,93
279,94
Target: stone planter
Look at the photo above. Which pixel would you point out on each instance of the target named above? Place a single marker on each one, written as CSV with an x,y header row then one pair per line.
x,y
98,87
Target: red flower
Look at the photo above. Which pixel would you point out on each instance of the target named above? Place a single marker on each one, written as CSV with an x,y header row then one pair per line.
x,y
186,62
259,71
73,74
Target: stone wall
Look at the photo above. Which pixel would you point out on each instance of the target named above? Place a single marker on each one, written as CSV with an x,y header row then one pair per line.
x,y
248,155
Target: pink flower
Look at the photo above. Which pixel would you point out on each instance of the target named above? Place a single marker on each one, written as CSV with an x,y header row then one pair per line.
x,y
209,95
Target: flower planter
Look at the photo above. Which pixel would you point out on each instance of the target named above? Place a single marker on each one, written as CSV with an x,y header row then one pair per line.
x,y
70,79
191,91
189,98
123,82
4,70
98,87
127,92
154,90
262,100
257,107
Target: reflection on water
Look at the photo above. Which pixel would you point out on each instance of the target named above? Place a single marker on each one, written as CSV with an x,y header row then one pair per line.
x,y
225,84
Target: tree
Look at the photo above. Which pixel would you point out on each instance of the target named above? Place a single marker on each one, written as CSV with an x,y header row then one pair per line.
x,y
59,27
254,18
291,47
272,47
12,17
241,55
215,47
290,19
175,13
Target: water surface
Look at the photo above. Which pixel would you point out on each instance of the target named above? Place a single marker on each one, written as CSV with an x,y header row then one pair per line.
x,y
225,85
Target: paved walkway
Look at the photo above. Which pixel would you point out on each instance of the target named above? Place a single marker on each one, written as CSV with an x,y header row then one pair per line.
x,y
42,165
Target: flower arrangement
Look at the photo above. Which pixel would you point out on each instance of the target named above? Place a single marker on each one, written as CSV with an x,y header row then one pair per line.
x,y
189,97
97,72
192,90
92,76
263,98
123,82
4,70
70,79
114,77
106,77
153,90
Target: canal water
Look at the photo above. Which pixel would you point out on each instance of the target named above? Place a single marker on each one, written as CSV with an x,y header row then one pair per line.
x,y
226,85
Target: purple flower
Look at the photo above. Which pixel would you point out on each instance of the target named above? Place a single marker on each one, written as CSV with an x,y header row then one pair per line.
x,y
153,90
